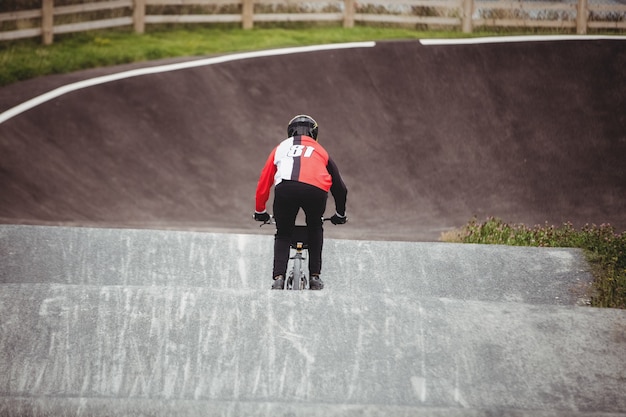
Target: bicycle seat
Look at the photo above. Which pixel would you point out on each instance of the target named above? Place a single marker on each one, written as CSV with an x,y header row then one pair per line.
x,y
300,234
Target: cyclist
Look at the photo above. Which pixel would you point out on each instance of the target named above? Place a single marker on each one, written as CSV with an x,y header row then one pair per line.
x,y
303,173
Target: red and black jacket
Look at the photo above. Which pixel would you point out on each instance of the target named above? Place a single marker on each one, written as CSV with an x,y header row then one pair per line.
x,y
303,159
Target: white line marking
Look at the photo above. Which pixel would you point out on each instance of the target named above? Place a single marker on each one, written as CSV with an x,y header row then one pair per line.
x,y
27,105
504,39
36,101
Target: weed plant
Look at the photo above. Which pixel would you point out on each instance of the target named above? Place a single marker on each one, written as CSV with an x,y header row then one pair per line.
x,y
604,248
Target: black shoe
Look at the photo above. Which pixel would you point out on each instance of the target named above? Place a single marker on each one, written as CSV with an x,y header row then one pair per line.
x,y
316,283
279,283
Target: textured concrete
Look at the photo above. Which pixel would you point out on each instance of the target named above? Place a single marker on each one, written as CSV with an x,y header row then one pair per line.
x,y
95,257
139,322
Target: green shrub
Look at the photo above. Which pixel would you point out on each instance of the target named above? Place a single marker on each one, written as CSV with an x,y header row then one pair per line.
x,y
604,248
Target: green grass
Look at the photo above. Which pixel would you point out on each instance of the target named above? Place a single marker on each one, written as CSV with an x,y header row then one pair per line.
x,y
604,248
28,58
24,59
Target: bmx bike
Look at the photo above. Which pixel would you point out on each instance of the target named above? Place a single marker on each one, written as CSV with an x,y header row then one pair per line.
x,y
296,277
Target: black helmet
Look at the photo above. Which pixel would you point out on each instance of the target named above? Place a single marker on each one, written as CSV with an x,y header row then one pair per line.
x,y
302,125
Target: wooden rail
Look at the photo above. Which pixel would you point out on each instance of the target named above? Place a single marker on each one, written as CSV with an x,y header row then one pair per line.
x,y
463,14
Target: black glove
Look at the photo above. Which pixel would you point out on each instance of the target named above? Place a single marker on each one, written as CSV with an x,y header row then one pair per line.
x,y
338,219
262,217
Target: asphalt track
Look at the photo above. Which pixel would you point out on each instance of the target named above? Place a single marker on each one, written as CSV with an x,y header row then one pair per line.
x,y
117,317
426,137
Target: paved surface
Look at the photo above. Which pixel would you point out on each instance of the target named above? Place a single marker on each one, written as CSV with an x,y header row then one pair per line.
x,y
140,322
135,322
112,257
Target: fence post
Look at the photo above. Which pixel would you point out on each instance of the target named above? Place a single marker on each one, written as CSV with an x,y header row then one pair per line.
x,y
582,14
47,21
348,13
247,14
139,16
468,12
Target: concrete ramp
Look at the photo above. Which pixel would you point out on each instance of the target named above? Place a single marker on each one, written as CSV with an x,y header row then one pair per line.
x,y
141,322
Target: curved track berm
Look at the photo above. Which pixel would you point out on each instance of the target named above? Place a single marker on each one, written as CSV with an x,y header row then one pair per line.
x,y
426,138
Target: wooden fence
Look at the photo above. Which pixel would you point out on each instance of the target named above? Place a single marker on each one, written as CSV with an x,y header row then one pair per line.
x,y
466,15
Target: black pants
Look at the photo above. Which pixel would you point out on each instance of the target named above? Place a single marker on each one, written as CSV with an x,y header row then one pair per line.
x,y
289,197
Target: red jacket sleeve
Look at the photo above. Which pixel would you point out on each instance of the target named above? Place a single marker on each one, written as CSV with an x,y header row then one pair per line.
x,y
265,183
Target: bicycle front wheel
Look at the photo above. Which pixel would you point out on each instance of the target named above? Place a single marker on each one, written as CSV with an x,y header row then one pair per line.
x,y
297,274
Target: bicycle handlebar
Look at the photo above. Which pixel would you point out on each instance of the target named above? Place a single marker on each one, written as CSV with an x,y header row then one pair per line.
x,y
272,221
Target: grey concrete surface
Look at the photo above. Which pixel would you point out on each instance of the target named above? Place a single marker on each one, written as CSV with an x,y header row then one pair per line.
x,y
139,322
87,256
